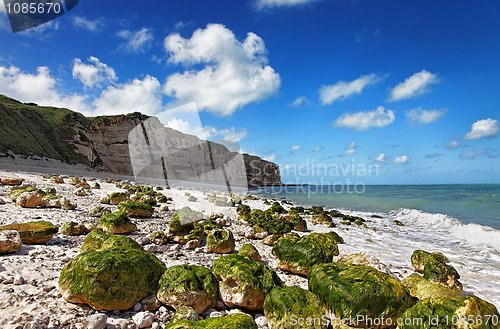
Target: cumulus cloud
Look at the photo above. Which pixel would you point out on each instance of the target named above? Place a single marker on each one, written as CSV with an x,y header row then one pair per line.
x,y
453,144
230,134
299,101
93,74
413,86
235,73
318,148
93,25
380,158
422,117
488,128
296,147
40,88
261,4
343,89
350,149
402,159
136,41
271,157
366,119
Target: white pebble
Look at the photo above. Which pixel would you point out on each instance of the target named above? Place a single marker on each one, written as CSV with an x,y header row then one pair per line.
x,y
143,319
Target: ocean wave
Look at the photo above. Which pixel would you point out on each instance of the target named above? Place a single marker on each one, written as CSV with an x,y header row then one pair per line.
x,y
472,233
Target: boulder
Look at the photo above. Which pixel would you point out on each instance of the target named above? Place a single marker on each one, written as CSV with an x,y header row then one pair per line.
x,y
80,192
269,221
185,313
73,228
420,258
443,274
143,319
363,258
220,241
12,181
244,282
39,232
98,240
117,222
158,238
18,190
450,313
148,199
283,305
271,240
423,289
117,197
136,209
110,279
31,199
10,241
99,211
299,254
188,285
249,250
232,321
347,291
243,209
299,223
209,225
182,233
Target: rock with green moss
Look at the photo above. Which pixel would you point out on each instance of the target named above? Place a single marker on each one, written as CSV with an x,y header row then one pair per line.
x,y
186,215
148,199
271,239
99,240
277,208
249,250
282,305
350,290
424,289
117,197
188,285
99,211
136,209
182,233
270,222
232,321
442,274
209,225
39,232
161,198
321,218
420,258
243,209
470,312
220,241
298,223
12,181
111,279
117,222
299,254
159,238
73,228
244,282
17,191
185,313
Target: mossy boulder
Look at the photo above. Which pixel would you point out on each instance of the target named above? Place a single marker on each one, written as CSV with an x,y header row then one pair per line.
x,y
117,222
271,239
159,238
161,198
220,241
424,289
99,211
270,222
148,199
186,215
351,290
249,250
298,223
111,279
136,209
420,258
243,209
38,232
99,240
470,312
232,321
277,208
299,254
73,228
244,282
443,274
17,191
283,305
117,197
31,199
209,225
188,285
182,233
12,181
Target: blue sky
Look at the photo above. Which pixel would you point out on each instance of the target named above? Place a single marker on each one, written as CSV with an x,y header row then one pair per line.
x,y
409,86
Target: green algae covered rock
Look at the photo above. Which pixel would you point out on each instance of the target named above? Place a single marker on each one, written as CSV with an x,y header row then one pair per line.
x,y
110,279
158,238
182,233
243,209
186,215
244,282
220,241
470,312
284,306
73,228
99,211
278,208
443,274
38,232
185,313
298,254
136,209
117,222
298,223
98,240
188,285
351,290
424,289
249,250
420,258
232,321
117,197
270,222
17,191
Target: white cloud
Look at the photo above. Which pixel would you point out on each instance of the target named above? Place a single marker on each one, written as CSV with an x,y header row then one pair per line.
x,y
271,158
296,147
433,155
299,101
230,134
415,85
136,96
402,159
94,74
40,88
488,128
422,117
472,153
93,25
318,148
136,41
44,31
235,73
365,120
350,149
453,144
261,4
380,158
342,89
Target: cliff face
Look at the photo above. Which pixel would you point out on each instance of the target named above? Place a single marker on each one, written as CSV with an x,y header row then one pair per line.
x,y
103,144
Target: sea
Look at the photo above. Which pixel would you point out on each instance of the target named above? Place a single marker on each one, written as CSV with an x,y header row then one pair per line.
x,y
460,220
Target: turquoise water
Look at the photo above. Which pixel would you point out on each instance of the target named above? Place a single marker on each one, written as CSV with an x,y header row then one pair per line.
x,y
469,203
